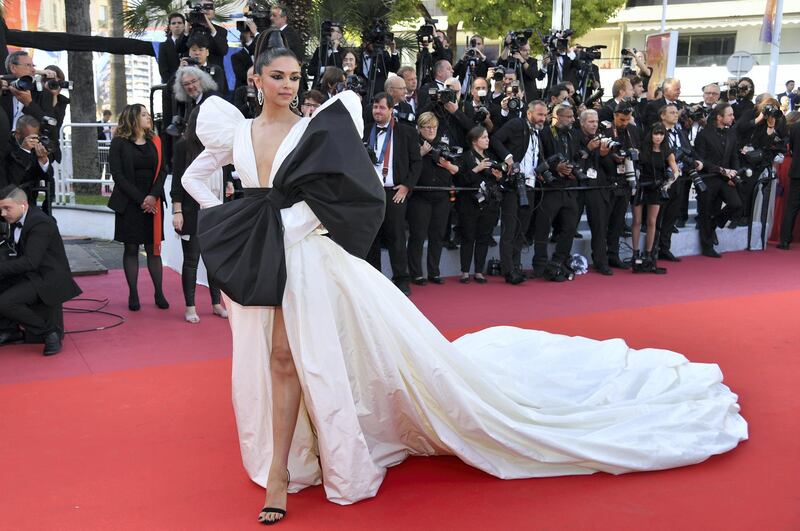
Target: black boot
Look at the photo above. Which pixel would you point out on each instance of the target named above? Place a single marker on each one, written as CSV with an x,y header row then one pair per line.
x,y
637,263
650,264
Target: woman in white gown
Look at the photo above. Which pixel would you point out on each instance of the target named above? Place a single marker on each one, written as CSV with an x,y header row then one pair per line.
x,y
378,382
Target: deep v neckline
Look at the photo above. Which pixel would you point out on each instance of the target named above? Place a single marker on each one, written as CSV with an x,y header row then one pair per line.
x,y
278,151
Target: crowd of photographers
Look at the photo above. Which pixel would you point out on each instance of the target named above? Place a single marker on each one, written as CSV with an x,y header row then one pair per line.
x,y
462,143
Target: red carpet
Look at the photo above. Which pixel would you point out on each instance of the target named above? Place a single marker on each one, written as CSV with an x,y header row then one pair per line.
x,y
132,427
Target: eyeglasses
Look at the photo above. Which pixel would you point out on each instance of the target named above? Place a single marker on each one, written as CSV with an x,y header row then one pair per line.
x,y
311,105
190,83
429,127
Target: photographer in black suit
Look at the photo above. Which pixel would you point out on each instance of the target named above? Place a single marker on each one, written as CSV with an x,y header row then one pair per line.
x,y
16,102
793,203
199,56
326,55
560,207
217,36
37,276
522,61
519,140
629,136
716,146
28,162
280,19
170,51
397,164
473,64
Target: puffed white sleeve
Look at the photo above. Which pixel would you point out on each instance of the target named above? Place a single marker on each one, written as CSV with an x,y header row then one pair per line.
x,y
216,128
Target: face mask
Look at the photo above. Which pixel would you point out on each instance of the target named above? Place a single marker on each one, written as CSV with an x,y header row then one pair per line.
x,y
481,93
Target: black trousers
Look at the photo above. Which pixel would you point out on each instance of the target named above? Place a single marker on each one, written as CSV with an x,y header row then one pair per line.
x,y
16,306
597,203
746,191
791,210
616,221
683,202
718,191
514,223
476,225
670,213
393,233
560,208
191,259
428,216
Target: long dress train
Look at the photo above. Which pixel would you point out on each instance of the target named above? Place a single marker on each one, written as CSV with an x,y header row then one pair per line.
x,y
380,383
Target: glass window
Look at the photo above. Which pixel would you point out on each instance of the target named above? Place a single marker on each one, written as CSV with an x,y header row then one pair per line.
x,y
705,49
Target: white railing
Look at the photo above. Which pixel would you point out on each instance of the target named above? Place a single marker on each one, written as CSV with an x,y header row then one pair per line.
x,y
65,176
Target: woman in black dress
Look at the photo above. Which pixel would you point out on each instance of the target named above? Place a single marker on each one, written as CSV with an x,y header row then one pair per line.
x,y
184,219
428,212
138,197
655,160
477,212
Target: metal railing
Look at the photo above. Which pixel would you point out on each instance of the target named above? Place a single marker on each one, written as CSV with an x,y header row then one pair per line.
x,y
65,176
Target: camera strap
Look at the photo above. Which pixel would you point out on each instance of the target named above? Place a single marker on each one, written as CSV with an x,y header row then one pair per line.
x,y
385,155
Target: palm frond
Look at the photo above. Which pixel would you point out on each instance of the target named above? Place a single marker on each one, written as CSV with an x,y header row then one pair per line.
x,y
143,14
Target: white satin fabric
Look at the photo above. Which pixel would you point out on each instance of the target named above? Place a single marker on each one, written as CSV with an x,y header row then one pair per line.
x,y
380,382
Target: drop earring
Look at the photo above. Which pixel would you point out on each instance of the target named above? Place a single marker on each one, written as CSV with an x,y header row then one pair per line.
x,y
295,102
260,97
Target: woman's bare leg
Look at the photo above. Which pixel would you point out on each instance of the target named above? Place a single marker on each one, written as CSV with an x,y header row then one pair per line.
x,y
652,221
285,407
636,226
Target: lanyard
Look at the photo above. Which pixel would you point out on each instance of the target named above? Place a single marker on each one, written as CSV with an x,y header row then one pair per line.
x,y
385,155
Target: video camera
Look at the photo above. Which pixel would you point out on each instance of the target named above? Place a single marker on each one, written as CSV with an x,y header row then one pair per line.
x,y
378,34
517,39
197,18
256,13
557,40
426,34
592,53
627,62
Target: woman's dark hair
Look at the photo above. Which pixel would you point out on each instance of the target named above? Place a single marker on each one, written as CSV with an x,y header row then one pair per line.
x,y
331,77
128,123
193,145
169,21
57,70
264,59
647,143
475,133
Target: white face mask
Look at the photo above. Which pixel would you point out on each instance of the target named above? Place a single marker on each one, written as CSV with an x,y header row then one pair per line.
x,y
481,93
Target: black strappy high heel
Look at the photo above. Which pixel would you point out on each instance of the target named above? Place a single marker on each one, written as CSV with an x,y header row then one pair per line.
x,y
266,510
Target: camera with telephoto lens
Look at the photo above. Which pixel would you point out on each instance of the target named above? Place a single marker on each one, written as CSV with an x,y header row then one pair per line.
x,y
514,181
544,171
378,34
684,158
518,39
197,18
448,153
578,173
589,102
627,62
426,33
406,117
631,172
489,193
446,95
771,111
663,186
47,129
22,83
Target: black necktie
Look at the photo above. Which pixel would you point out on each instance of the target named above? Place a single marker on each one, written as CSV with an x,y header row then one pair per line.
x,y
382,129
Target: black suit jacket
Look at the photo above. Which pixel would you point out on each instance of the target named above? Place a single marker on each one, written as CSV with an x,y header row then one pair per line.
x,y
651,112
406,160
713,153
569,72
217,46
40,106
794,146
481,69
125,194
328,59
294,42
169,56
513,139
391,63
241,61
529,77
42,260
23,170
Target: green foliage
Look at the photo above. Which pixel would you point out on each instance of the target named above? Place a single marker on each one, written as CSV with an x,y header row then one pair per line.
x,y
143,14
494,18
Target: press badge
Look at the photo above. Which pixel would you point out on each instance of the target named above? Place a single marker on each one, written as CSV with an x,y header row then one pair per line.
x,y
591,173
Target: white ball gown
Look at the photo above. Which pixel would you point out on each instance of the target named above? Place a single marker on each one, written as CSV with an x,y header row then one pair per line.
x,y
380,382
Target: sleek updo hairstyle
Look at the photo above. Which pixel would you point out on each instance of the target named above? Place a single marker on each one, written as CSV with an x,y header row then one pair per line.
x,y
270,45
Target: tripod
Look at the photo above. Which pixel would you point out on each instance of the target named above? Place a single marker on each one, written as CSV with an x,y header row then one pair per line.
x,y
764,184
424,65
376,55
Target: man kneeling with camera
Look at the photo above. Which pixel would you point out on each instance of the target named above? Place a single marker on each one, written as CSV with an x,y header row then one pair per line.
x,y
34,272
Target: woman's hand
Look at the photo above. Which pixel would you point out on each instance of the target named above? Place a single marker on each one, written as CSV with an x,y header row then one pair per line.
x,y
497,174
177,221
425,148
229,191
483,165
149,204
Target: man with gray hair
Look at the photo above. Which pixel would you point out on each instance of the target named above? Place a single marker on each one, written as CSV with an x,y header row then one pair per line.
x,y
192,86
595,168
671,89
17,102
